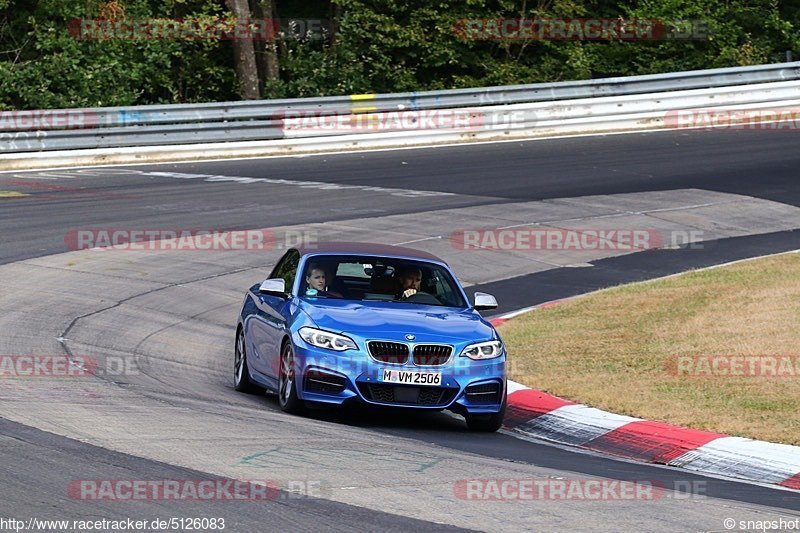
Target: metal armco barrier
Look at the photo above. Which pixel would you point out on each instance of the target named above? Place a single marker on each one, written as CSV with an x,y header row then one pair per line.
x,y
535,109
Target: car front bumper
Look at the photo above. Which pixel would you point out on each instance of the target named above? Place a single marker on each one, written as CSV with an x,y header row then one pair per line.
x,y
467,386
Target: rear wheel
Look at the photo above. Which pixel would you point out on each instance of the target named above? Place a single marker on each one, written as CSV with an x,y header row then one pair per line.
x,y
241,373
287,383
486,423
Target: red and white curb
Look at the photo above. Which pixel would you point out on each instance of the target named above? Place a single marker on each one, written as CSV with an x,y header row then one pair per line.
x,y
533,413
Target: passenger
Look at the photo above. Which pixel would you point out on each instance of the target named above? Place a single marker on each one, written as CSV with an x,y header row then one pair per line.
x,y
316,279
410,279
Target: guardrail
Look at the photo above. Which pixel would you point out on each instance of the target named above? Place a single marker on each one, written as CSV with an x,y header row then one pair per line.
x,y
506,110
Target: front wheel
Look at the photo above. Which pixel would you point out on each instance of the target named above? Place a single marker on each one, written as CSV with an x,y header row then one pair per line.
x,y
486,423
287,383
241,373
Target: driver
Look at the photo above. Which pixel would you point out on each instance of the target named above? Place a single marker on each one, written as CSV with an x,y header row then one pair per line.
x,y
409,279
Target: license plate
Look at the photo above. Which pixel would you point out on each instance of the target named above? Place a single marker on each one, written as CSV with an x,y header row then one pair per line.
x,y
412,378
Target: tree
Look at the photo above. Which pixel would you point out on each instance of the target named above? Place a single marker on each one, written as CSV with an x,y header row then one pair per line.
x,y
244,52
271,70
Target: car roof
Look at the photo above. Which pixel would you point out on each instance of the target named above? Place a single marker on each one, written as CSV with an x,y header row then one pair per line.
x,y
365,248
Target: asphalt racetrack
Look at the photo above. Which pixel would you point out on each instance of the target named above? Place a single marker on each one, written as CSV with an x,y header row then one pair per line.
x,y
173,314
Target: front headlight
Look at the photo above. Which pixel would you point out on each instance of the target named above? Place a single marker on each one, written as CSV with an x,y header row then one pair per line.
x,y
483,350
327,340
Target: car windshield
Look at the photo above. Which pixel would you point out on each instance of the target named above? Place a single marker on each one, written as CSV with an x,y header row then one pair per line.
x,y
380,278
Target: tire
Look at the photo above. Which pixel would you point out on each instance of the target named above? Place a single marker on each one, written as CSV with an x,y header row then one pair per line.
x,y
241,372
287,384
486,423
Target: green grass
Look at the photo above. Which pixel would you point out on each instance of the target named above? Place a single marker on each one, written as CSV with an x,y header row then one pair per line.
x,y
611,349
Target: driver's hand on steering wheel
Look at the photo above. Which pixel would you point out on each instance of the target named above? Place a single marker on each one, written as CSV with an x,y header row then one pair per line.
x,y
409,292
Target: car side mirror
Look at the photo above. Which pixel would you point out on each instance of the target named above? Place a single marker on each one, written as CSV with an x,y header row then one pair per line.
x,y
484,301
274,287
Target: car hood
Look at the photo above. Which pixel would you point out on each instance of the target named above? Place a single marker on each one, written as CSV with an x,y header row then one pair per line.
x,y
393,320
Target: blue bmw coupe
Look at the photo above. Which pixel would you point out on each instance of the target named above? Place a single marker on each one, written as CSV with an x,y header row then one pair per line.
x,y
381,325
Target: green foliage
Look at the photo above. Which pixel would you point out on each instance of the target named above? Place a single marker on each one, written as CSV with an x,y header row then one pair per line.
x,y
395,45
377,46
46,66
740,32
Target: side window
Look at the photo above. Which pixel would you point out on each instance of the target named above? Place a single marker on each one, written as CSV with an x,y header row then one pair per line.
x,y
287,268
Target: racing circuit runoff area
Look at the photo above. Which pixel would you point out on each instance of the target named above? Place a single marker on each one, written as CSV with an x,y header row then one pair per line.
x,y
152,430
